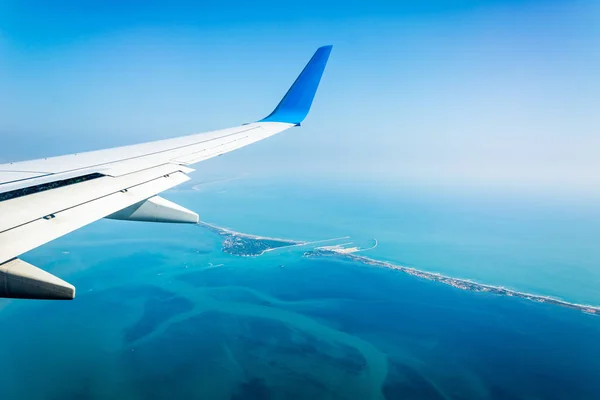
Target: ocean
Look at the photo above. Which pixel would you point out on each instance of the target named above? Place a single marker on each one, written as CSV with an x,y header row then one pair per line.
x,y
161,312
539,245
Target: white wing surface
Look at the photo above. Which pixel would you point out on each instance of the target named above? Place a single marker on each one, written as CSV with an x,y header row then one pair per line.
x,y
41,200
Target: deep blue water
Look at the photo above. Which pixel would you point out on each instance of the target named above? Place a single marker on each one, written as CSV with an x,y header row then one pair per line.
x,y
155,319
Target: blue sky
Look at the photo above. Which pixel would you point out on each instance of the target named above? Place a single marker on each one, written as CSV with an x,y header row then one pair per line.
x,y
482,94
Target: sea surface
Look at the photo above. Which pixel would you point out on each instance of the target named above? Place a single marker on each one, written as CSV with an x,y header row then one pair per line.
x,y
163,313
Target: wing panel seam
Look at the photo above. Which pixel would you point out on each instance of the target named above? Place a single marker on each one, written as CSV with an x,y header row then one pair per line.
x,y
166,176
156,152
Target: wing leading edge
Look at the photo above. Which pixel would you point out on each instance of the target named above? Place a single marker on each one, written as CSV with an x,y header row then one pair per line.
x,y
41,200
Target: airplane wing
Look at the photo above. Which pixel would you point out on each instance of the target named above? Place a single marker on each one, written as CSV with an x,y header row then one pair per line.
x,y
44,199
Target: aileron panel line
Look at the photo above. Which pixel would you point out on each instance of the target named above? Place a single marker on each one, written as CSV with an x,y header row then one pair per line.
x,y
13,194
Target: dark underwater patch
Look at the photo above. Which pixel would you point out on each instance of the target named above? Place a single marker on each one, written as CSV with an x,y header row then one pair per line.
x,y
254,389
404,383
262,358
156,311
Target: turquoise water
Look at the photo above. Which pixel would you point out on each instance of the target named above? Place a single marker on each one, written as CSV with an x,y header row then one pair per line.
x,y
161,312
537,245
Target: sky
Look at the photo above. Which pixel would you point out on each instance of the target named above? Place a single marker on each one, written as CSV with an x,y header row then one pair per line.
x,y
491,95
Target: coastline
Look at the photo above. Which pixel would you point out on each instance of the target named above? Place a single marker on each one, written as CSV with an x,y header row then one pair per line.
x,y
248,245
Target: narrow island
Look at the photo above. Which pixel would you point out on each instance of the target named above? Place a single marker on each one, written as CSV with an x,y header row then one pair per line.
x,y
246,245
463,284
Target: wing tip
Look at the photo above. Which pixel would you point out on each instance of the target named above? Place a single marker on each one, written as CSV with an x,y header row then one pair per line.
x,y
296,103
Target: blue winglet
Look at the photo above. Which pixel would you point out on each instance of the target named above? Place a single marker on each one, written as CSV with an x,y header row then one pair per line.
x,y
296,103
